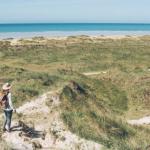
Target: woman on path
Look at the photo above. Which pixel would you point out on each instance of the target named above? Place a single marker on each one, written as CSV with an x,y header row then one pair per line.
x,y
6,102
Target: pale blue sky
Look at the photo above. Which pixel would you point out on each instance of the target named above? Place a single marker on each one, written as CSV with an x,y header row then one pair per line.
x,y
74,11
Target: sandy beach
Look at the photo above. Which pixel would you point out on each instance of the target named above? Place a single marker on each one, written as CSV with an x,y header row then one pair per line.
x,y
54,34
45,39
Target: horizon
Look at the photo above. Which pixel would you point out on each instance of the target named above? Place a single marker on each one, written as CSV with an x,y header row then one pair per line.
x,y
74,23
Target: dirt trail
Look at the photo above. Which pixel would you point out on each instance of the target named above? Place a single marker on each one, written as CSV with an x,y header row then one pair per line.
x,y
42,128
94,73
141,121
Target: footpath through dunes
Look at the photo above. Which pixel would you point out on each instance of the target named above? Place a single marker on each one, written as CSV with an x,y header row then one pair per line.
x,y
141,121
94,73
38,126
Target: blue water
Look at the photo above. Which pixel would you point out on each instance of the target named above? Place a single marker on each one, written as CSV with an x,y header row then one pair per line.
x,y
73,27
70,29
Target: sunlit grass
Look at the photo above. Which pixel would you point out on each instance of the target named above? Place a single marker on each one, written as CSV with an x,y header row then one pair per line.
x,y
98,111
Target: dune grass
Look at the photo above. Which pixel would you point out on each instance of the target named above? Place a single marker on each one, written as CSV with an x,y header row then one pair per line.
x,y
99,109
93,109
26,84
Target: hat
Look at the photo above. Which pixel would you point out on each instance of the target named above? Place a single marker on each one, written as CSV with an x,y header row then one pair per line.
x,y
6,86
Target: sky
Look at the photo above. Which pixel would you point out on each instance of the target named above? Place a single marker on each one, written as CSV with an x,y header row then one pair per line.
x,y
63,11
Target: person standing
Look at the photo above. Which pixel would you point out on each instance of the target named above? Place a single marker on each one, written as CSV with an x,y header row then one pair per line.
x,y
6,102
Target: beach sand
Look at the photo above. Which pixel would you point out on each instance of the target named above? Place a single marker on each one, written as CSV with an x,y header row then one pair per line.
x,y
45,39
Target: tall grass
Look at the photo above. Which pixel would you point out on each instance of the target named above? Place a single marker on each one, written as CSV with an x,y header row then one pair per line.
x,y
88,112
95,108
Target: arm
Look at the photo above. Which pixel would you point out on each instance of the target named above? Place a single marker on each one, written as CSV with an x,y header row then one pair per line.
x,y
10,101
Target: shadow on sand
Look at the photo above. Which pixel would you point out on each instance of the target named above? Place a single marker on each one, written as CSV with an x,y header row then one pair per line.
x,y
28,131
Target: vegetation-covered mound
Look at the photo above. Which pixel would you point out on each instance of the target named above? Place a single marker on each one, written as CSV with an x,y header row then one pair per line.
x,y
92,109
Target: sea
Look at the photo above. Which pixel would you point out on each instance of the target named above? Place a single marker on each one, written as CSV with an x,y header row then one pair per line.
x,y
23,30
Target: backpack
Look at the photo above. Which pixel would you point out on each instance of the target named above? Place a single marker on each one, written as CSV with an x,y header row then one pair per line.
x,y
3,99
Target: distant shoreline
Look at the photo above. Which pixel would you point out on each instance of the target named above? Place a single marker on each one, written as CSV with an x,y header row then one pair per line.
x,y
43,40
57,34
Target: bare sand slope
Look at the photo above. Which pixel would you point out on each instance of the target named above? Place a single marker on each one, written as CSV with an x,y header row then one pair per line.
x,y
40,127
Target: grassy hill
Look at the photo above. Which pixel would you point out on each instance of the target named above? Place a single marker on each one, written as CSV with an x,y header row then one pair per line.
x,y
95,107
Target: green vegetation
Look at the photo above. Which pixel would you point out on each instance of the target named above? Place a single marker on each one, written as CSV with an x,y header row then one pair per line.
x,y
93,110
27,84
95,107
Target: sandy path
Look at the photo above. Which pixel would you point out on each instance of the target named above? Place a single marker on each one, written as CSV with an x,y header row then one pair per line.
x,y
94,73
141,121
44,114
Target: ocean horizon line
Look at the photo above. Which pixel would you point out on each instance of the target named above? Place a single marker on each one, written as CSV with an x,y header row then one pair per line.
x,y
38,27
11,23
